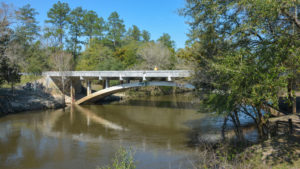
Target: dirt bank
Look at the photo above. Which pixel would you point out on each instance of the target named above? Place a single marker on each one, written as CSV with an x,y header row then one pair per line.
x,y
26,100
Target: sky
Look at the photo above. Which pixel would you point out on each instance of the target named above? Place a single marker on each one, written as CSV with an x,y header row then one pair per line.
x,y
155,16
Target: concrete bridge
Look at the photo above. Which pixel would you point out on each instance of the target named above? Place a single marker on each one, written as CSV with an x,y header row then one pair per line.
x,y
141,78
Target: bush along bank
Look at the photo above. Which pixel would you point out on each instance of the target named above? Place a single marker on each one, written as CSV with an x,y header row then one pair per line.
x,y
156,91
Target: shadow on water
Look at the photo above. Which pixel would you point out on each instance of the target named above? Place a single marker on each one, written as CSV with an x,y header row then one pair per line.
x,y
209,129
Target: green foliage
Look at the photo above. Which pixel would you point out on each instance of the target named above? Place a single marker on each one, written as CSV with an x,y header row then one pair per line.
x,y
5,37
134,33
110,64
23,49
116,29
28,29
58,16
76,24
123,160
165,39
245,53
37,59
32,58
127,54
23,80
98,57
93,26
146,36
9,70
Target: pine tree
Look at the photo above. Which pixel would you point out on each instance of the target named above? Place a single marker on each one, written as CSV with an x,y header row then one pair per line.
x,y
116,29
58,16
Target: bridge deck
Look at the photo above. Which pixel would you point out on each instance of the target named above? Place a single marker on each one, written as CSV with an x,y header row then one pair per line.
x,y
122,74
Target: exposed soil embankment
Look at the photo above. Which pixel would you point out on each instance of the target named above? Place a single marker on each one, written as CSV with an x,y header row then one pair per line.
x,y
26,100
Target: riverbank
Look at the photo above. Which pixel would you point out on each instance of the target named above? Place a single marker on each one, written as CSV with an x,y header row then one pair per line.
x,y
156,91
26,100
278,152
281,151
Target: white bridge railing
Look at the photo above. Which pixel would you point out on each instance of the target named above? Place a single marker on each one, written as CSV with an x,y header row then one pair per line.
x,y
122,74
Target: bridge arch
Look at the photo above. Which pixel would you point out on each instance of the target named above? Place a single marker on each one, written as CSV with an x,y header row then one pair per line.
x,y
119,88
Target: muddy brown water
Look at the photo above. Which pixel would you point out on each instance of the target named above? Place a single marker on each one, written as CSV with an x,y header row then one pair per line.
x,y
160,130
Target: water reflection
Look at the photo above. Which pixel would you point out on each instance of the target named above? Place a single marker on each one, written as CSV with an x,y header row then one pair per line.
x,y
88,136
91,115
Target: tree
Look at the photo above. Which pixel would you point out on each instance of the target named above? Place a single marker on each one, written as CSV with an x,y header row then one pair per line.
x,y
23,45
62,63
9,70
58,16
127,54
38,60
10,73
3,65
165,39
116,29
28,29
93,25
146,36
245,53
154,54
76,30
98,57
134,33
5,37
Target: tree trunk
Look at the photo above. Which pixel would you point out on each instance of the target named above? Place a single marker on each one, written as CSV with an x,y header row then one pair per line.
x,y
294,111
260,129
261,121
291,98
236,122
224,127
12,88
239,125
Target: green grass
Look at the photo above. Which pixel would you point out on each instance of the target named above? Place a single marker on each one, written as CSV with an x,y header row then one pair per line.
x,y
23,81
123,160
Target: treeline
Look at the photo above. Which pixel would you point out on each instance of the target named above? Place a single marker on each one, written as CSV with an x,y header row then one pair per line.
x,y
247,53
77,39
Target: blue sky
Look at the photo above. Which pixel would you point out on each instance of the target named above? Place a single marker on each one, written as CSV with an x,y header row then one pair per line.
x,y
156,16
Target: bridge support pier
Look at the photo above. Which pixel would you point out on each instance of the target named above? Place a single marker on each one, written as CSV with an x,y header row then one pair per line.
x,y
106,83
119,88
89,88
72,93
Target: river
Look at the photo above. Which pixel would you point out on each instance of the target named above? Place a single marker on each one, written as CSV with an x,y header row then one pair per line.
x,y
160,130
